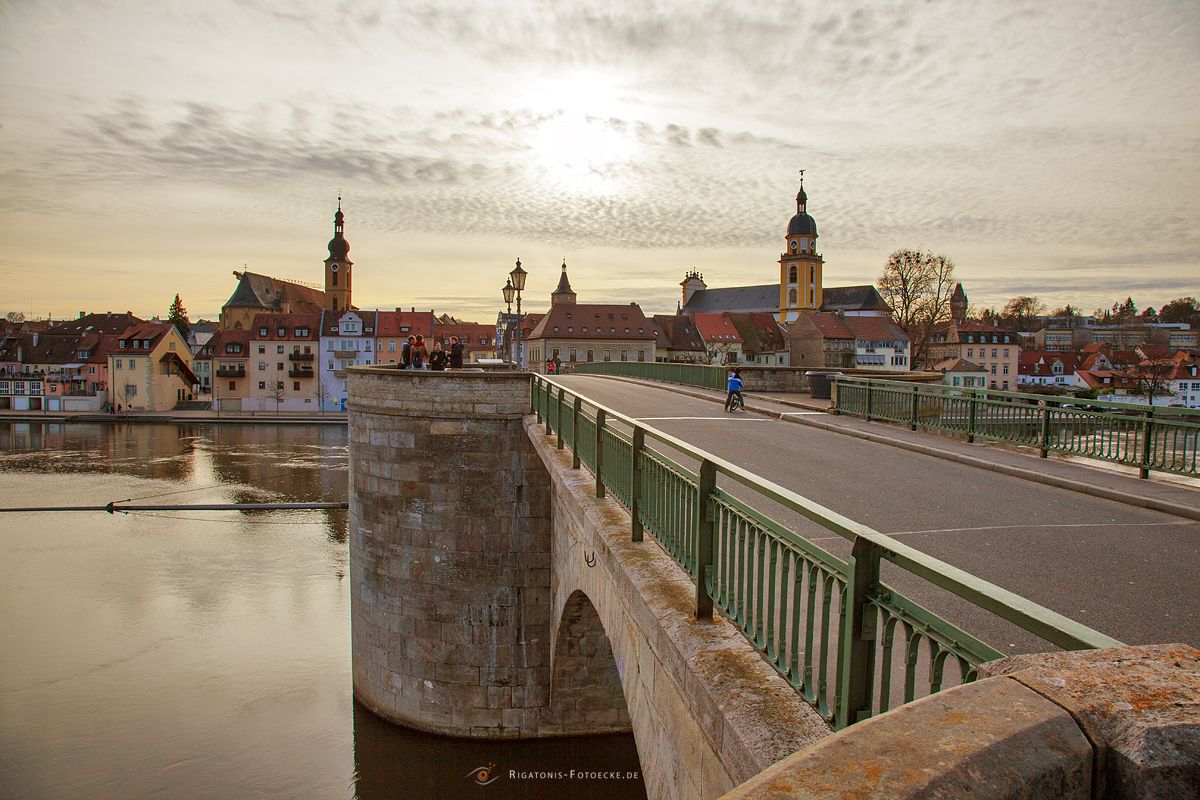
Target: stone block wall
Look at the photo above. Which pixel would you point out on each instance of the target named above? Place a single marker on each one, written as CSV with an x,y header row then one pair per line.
x,y
450,552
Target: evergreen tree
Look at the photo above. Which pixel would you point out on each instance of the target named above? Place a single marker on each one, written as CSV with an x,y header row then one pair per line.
x,y
177,316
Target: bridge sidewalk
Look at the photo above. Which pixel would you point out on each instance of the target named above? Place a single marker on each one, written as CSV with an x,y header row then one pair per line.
x,y
1167,493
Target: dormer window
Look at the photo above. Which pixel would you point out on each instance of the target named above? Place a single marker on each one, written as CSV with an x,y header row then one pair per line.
x,y
262,331
282,332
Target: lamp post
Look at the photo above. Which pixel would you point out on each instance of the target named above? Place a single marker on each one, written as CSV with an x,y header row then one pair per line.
x,y
514,287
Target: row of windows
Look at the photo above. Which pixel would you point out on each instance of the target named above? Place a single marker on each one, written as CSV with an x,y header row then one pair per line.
x,y
598,330
589,355
983,352
300,332
279,349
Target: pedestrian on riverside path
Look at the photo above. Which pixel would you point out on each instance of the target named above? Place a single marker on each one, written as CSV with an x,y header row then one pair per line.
x,y
456,353
419,353
438,357
406,353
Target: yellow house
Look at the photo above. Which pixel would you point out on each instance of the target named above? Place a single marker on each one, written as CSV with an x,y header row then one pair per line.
x,y
150,369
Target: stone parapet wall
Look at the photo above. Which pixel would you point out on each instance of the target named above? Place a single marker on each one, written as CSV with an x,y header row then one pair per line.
x,y
1093,725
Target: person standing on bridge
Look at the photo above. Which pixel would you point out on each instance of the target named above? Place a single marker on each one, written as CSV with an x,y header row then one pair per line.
x,y
456,353
437,357
419,354
734,388
406,352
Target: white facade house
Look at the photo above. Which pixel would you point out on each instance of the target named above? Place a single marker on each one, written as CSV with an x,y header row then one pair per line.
x,y
347,339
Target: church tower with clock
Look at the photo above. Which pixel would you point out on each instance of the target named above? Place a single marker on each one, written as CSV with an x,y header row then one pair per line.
x,y
337,266
800,264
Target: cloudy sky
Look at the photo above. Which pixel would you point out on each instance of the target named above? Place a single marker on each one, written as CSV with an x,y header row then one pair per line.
x,y
154,147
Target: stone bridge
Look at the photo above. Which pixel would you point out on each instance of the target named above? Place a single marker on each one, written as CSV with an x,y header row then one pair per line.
x,y
494,596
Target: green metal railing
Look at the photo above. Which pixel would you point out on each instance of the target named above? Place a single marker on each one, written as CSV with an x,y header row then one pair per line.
x,y
851,644
701,375
1166,440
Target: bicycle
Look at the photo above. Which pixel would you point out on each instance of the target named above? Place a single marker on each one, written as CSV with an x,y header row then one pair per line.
x,y
736,403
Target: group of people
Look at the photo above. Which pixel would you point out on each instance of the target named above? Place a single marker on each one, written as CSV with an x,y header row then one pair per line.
x,y
415,354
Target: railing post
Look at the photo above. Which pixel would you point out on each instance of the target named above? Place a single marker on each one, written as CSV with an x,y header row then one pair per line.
x,y
1147,443
559,418
537,399
916,403
577,409
1044,433
858,634
869,398
635,481
972,402
706,483
600,452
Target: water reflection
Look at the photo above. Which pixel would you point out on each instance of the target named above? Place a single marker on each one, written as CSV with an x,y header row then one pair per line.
x,y
206,655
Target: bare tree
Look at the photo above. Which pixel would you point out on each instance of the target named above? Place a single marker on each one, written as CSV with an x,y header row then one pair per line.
x,y
15,316
278,393
918,286
1153,377
1020,311
1183,309
322,393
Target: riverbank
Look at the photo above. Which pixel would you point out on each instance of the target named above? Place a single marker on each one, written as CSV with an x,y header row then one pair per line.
x,y
166,417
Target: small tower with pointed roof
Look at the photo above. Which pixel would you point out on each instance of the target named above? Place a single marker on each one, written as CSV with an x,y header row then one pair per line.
x,y
958,304
800,265
337,266
563,295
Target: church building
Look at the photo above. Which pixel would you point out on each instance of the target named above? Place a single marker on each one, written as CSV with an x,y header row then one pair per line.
x,y
800,287
258,294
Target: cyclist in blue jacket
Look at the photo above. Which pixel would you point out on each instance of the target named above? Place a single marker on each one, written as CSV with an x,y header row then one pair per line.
x,y
734,387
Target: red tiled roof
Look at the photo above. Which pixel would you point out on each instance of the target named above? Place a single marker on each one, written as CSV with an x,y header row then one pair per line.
x,y
957,365
875,328
594,321
717,328
829,324
418,323
289,322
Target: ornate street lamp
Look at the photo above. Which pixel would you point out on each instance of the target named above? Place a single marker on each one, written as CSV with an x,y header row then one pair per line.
x,y
514,286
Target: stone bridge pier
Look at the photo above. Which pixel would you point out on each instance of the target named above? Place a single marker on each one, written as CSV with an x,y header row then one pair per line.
x,y
494,596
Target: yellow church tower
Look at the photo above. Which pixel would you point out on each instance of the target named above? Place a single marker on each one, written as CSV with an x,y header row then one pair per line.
x,y
800,264
337,266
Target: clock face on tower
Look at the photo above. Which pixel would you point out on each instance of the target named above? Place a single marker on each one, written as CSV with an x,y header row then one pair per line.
x,y
333,267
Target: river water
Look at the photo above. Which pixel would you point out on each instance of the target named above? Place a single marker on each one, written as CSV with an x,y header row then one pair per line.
x,y
207,654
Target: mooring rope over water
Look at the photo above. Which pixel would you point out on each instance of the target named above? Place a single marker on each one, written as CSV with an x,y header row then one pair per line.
x,y
118,506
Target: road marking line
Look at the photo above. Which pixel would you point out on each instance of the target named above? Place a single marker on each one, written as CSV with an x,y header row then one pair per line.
x,y
798,413
728,417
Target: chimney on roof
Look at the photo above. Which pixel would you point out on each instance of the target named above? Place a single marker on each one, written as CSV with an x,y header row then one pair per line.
x,y
82,314
412,310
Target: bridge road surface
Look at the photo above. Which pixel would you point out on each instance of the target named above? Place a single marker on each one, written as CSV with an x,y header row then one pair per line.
x,y
1129,572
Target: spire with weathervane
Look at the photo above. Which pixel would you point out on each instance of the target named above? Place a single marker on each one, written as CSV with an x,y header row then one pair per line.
x,y
800,266
563,295
337,266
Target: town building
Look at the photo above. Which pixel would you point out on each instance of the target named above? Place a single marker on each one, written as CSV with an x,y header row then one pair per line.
x,y
281,370
677,339
572,332
150,369
347,339
958,372
823,339
478,340
997,350
1042,368
228,353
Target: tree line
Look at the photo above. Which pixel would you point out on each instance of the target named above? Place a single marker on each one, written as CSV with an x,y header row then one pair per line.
x,y
919,287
